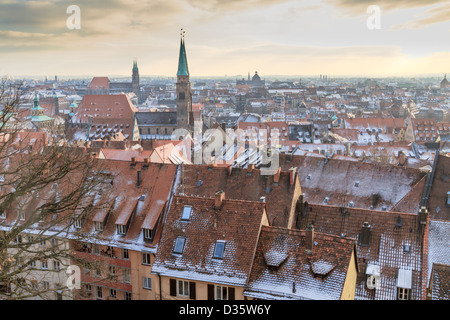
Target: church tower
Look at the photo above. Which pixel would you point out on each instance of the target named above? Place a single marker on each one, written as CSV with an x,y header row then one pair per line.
x,y
135,80
183,88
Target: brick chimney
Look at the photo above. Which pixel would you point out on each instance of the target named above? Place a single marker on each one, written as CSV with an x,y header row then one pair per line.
x,y
292,173
220,196
401,158
309,238
139,179
146,160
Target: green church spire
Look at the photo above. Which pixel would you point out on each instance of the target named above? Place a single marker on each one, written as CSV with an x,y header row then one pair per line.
x,y
183,69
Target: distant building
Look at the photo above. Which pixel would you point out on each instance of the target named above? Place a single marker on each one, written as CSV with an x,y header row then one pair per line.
x,y
444,82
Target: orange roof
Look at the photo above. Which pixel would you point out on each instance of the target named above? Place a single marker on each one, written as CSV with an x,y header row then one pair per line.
x,y
99,83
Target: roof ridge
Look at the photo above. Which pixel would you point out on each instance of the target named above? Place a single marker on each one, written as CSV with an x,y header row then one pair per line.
x,y
408,193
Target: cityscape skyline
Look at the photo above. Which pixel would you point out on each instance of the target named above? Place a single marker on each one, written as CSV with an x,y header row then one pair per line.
x,y
273,37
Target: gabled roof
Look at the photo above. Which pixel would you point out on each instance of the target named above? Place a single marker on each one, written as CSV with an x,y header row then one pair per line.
x,y
99,83
440,282
244,184
344,181
389,233
236,222
283,270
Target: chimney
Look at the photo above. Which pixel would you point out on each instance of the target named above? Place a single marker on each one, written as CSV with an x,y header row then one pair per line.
x,y
423,213
230,168
146,160
401,158
251,166
133,160
220,196
309,238
276,176
292,172
365,234
138,178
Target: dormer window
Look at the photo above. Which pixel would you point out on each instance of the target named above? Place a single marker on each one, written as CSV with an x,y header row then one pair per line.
x,y
179,245
148,234
3,215
77,223
404,284
186,213
99,226
121,229
218,250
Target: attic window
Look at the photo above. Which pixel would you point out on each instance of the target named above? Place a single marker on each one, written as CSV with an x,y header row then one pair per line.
x,y
148,234
179,245
3,215
186,213
308,177
357,184
142,198
99,226
218,250
404,284
326,200
121,229
199,183
351,204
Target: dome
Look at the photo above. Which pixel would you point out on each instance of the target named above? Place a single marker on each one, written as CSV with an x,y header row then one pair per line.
x,y
444,82
256,77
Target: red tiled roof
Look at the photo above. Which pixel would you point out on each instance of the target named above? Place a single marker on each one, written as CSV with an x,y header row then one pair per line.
x,y
99,83
390,231
236,222
244,184
296,274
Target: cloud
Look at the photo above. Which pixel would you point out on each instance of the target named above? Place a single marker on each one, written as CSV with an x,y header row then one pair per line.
x,y
434,15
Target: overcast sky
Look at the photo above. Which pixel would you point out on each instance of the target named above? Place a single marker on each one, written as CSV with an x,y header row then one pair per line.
x,y
225,37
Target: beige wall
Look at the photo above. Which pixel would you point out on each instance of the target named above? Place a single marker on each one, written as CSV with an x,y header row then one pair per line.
x,y
348,292
201,289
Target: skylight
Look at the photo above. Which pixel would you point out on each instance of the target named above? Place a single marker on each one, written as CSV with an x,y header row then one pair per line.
x,y
179,245
186,213
218,250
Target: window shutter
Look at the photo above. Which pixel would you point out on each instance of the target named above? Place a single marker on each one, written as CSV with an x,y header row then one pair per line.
x,y
192,290
173,287
210,292
231,293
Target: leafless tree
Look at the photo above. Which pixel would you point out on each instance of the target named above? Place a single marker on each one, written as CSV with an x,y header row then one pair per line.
x,y
46,189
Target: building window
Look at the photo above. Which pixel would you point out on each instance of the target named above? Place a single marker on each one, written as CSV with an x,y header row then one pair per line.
x,y
179,245
403,294
77,223
218,250
146,259
221,293
98,226
147,283
125,255
112,293
56,265
186,213
148,234
44,264
183,288
181,96
121,229
126,275
45,285
99,293
127,296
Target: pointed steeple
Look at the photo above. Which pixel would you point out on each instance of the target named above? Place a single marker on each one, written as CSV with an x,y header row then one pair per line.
x,y
135,67
183,69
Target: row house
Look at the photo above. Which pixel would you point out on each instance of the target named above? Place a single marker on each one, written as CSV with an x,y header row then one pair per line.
x,y
214,249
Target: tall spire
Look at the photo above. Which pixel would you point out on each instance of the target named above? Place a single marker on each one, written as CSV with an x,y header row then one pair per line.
x,y
183,69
